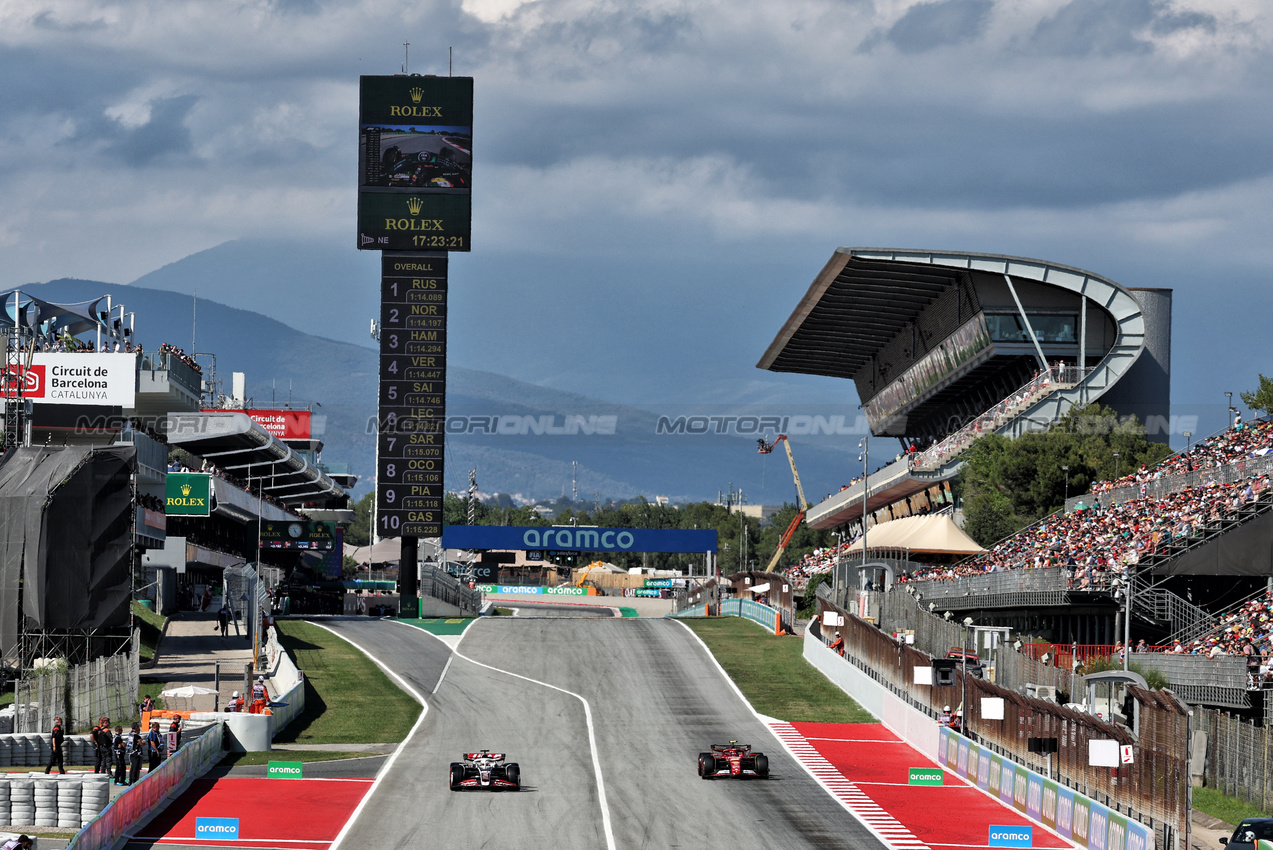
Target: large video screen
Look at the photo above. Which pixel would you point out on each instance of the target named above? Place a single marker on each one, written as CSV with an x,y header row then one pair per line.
x,y
415,163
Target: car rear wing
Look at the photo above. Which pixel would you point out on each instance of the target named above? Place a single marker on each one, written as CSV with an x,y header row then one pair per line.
x,y
474,756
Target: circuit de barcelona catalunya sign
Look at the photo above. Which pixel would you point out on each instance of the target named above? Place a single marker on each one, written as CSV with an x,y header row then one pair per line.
x,y
579,538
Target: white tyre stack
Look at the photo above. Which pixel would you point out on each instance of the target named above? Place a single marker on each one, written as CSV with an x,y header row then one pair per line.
x,y
4,801
94,797
66,811
22,802
6,751
30,751
45,796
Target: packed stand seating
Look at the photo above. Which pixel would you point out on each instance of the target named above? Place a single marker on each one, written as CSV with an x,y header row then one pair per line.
x,y
146,500
1246,632
1246,440
1097,544
817,562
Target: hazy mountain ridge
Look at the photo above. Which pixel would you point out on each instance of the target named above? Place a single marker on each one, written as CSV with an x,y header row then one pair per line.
x,y
519,435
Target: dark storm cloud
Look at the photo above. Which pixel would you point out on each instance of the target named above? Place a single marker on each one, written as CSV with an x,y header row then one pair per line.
x,y
1110,27
941,24
164,139
942,155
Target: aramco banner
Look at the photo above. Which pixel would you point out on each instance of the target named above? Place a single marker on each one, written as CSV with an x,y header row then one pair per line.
x,y
571,538
101,379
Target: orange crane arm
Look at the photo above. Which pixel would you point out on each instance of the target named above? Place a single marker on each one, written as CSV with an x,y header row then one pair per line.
x,y
764,449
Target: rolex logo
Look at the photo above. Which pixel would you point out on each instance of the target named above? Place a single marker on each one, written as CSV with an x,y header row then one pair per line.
x,y
185,489
416,94
415,204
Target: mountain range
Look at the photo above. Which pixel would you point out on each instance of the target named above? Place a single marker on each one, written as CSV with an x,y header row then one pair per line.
x,y
524,439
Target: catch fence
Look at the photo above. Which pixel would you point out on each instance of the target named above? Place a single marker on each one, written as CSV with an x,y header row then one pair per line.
x,y
1239,755
80,694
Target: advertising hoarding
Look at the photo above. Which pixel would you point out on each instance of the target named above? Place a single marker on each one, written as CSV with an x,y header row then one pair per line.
x,y
102,379
282,424
415,163
187,494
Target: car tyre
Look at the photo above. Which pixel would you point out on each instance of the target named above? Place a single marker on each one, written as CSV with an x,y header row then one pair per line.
x,y
457,775
706,765
762,765
513,773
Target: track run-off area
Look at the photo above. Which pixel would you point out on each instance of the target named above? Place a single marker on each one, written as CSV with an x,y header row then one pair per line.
x,y
606,717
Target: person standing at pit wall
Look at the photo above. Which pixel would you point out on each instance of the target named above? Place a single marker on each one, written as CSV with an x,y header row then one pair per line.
x,y
136,743
154,747
103,743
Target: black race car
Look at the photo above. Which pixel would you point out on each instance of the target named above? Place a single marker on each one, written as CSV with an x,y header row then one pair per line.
x,y
734,759
423,170
486,769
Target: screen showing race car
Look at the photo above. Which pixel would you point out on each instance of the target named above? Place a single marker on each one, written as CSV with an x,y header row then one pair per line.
x,y
415,161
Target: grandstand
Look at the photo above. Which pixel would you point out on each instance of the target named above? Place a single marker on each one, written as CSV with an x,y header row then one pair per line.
x,y
945,347
101,424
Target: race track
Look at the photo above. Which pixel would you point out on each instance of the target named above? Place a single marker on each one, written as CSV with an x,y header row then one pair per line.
x,y
656,701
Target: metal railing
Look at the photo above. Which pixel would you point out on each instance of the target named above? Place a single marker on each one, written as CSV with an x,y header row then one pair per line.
x,y
1046,586
991,420
440,585
1229,473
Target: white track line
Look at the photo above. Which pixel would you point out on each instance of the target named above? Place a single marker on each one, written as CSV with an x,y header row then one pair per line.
x,y
449,659
384,769
592,740
877,821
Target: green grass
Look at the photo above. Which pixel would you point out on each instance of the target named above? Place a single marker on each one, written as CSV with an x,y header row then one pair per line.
x,y
773,675
151,626
348,699
1231,810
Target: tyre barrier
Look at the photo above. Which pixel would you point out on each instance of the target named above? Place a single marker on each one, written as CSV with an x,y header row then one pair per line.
x,y
32,749
67,802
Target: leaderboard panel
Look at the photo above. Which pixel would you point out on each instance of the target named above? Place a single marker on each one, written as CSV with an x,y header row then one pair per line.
x,y
412,411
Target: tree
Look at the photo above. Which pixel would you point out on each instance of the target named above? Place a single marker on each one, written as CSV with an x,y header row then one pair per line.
x,y
1262,398
358,532
1008,484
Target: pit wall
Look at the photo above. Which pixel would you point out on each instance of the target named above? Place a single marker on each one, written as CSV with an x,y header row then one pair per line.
x,y
152,792
1072,815
285,682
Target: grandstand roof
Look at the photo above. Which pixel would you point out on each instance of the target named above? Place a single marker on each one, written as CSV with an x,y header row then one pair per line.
x,y
241,447
854,307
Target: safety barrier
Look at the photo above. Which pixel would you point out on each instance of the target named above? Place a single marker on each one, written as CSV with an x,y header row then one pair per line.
x,y
155,789
745,608
286,681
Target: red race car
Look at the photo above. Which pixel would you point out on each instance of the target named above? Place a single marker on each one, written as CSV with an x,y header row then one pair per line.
x,y
733,758
485,769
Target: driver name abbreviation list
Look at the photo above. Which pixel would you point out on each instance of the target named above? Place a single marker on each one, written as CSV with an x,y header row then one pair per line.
x,y
411,425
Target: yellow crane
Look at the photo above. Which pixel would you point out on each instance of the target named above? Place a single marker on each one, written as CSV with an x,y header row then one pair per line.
x,y
764,449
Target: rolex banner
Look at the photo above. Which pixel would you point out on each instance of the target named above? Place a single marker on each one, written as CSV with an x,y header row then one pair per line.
x,y
188,494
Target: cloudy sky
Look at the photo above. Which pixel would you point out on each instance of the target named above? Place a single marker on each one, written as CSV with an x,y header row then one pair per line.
x,y
658,181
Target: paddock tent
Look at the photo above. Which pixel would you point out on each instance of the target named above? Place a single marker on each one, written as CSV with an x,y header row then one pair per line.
x,y
936,535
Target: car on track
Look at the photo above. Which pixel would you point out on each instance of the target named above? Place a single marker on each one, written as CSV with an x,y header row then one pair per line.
x,y
1247,833
485,769
732,759
424,170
